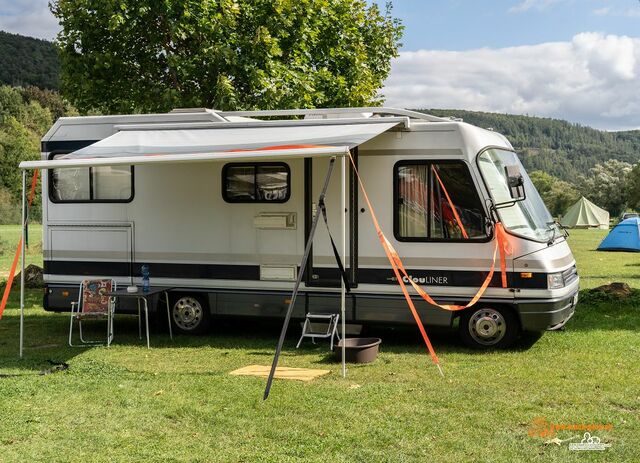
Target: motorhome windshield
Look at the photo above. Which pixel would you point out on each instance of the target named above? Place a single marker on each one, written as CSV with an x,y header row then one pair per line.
x,y
529,217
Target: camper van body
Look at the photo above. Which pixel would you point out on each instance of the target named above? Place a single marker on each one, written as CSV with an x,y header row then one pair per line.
x,y
227,257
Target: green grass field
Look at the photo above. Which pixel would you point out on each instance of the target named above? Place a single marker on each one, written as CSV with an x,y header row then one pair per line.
x,y
9,237
177,402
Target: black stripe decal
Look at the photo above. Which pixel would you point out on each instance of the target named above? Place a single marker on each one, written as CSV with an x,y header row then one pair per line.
x,y
330,277
380,276
161,270
64,145
61,267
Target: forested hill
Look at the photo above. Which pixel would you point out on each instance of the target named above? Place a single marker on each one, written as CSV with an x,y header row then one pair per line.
x,y
27,61
558,147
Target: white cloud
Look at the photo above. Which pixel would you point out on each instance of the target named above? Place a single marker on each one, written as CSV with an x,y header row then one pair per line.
x,y
602,11
526,5
593,79
619,12
632,13
28,17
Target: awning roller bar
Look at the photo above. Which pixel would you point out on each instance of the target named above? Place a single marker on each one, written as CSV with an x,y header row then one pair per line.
x,y
187,158
195,142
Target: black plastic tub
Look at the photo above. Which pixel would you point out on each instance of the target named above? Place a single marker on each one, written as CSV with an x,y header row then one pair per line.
x,y
358,350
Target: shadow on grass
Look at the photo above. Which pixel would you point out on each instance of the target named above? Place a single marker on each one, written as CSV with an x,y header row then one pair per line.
x,y
45,340
46,334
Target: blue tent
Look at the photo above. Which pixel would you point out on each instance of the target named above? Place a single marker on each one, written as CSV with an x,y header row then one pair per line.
x,y
624,237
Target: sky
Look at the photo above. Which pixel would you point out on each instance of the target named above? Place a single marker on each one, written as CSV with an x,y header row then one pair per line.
x,y
570,59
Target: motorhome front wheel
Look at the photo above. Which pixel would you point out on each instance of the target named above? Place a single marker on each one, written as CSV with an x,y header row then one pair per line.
x,y
487,327
190,314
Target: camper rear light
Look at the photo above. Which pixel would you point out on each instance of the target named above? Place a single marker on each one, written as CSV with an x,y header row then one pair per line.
x,y
555,280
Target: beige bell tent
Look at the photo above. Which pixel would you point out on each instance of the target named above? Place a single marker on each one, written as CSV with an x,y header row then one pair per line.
x,y
585,214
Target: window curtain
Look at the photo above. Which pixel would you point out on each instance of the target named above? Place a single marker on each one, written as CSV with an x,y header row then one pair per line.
x,y
413,196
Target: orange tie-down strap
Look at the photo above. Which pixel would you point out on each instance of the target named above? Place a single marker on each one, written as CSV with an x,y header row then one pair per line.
x,y
279,147
451,206
16,257
399,270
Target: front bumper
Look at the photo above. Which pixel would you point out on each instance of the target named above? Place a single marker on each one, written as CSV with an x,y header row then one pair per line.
x,y
540,314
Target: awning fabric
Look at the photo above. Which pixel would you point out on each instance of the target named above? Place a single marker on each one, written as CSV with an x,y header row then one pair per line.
x,y
144,145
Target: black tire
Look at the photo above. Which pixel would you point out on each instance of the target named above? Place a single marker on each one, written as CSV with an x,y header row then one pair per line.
x,y
489,327
190,313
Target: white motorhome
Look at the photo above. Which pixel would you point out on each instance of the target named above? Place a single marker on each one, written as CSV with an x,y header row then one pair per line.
x,y
228,236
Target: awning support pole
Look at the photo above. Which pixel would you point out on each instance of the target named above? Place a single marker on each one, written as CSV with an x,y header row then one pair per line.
x,y
343,212
22,245
296,287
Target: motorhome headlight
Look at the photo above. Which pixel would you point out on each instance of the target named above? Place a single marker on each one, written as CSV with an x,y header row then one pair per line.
x,y
555,280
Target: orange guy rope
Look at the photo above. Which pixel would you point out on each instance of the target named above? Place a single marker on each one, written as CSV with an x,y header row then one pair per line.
x,y
505,249
453,208
398,268
16,257
389,251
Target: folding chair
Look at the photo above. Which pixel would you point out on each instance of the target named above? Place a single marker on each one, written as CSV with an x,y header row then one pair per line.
x,y
93,303
310,329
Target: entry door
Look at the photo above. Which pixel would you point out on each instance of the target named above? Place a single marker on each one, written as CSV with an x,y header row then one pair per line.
x,y
322,267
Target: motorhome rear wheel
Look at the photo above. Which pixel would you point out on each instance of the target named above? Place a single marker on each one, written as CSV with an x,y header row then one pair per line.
x,y
488,327
190,314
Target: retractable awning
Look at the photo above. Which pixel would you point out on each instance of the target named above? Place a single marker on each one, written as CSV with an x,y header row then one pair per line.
x,y
146,144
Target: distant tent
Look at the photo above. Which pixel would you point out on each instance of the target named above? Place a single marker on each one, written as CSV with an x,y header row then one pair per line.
x,y
585,214
624,237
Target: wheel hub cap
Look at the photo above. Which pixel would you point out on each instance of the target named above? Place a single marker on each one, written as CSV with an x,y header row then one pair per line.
x,y
487,326
187,313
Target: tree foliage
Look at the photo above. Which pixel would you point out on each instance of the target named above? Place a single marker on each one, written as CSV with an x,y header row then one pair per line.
x,y
154,55
634,187
49,99
557,147
607,185
25,116
557,194
28,61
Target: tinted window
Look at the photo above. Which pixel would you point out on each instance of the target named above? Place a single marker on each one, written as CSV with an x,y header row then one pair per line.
x,y
256,182
436,201
99,184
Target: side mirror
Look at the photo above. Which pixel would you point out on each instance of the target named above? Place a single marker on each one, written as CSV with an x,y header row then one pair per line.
x,y
515,182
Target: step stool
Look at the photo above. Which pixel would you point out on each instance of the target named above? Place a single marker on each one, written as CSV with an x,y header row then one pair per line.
x,y
308,330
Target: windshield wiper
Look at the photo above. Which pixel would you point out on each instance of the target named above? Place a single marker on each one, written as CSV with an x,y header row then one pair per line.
x,y
554,226
553,237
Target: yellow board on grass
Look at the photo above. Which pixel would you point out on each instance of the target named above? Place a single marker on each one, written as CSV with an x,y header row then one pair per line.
x,y
299,374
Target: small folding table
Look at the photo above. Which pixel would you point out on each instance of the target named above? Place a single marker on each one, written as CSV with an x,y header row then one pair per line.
x,y
141,295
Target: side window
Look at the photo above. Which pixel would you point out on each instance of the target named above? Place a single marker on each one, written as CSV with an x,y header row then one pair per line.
x,y
111,183
91,184
69,185
260,182
436,201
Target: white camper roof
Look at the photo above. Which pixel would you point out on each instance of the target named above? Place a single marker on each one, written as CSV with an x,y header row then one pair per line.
x,y
213,141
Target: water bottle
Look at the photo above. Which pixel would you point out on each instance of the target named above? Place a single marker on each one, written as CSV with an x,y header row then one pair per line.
x,y
145,278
